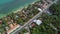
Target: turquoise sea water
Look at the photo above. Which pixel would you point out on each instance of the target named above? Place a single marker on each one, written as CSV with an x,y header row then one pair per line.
x,y
6,6
4,1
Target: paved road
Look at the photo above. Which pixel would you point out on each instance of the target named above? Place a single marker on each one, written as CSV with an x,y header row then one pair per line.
x,y
36,16
29,22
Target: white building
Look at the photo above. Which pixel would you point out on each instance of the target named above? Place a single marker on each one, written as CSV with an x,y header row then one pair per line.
x,y
38,22
40,9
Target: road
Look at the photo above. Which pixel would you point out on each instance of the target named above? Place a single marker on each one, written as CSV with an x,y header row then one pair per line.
x,y
31,20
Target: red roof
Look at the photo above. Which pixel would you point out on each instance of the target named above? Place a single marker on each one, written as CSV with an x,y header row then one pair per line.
x,y
32,24
0,21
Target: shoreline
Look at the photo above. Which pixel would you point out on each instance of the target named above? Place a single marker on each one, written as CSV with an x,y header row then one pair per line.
x,y
24,6
18,9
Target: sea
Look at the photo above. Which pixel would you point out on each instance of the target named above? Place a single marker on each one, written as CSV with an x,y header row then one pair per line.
x,y
8,6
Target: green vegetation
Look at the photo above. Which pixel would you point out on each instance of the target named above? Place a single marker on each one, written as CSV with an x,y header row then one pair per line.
x,y
23,31
44,28
27,13
21,17
54,19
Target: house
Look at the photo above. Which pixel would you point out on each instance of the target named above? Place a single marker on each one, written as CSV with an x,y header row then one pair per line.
x,y
16,16
38,22
0,21
7,28
32,25
13,28
40,9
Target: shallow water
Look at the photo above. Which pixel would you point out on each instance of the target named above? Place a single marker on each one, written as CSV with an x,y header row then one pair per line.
x,y
6,6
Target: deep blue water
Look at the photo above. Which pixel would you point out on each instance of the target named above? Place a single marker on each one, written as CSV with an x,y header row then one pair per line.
x,y
6,6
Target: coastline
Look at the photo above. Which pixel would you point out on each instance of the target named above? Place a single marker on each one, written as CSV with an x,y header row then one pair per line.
x,y
18,9
26,5
21,7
